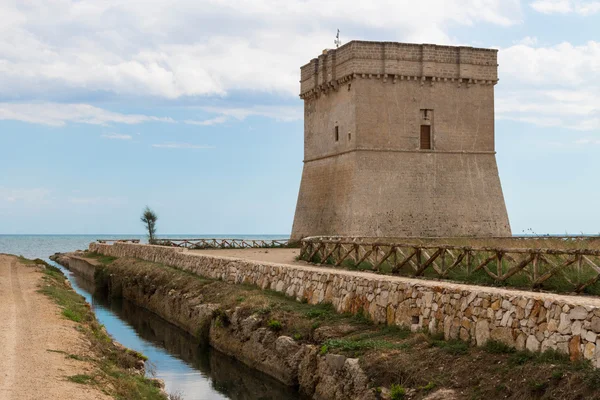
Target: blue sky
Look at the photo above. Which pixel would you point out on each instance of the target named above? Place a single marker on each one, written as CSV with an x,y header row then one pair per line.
x,y
191,107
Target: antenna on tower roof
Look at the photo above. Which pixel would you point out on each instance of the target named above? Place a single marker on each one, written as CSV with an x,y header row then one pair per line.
x,y
337,40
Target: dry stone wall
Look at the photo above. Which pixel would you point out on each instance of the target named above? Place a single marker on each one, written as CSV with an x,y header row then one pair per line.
x,y
524,320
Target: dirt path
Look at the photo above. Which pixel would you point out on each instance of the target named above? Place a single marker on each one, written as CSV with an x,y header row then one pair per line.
x,y
35,341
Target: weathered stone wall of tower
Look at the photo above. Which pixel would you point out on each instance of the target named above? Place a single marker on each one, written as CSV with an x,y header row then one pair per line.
x,y
370,177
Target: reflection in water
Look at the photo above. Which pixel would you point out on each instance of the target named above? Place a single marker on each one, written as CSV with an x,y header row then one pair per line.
x,y
197,372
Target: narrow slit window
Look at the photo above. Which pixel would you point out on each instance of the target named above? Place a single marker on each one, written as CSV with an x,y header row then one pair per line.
x,y
425,137
337,133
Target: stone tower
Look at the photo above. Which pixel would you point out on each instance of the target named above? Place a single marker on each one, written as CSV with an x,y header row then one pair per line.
x,y
399,142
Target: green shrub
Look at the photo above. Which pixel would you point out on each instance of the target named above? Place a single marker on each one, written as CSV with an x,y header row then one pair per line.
x,y
397,392
495,347
275,325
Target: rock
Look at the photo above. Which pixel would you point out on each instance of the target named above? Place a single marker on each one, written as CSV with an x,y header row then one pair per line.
x,y
576,328
596,324
520,342
286,346
591,337
482,332
385,394
349,382
578,313
307,377
589,351
503,335
464,335
447,327
249,325
496,305
563,347
542,315
331,332
564,326
442,394
539,336
428,297
158,383
505,318
532,344
574,348
335,361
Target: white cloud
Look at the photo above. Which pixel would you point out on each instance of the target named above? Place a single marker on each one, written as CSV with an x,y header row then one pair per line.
x,y
588,141
117,136
582,7
24,195
528,41
172,49
280,113
551,86
96,201
57,114
181,146
208,122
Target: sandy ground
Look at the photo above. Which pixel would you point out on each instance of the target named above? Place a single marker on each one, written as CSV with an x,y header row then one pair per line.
x,y
280,256
30,326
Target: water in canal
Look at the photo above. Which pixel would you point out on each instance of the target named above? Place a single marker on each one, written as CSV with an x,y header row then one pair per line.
x,y
195,372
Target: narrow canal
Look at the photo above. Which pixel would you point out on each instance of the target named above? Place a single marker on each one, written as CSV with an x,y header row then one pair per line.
x,y
194,372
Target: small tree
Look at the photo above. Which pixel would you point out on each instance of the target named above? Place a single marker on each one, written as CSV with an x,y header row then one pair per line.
x,y
149,218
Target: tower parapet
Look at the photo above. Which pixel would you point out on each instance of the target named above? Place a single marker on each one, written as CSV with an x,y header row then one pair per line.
x,y
398,61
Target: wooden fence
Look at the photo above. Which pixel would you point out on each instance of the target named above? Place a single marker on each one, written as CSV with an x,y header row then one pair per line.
x,y
198,244
556,269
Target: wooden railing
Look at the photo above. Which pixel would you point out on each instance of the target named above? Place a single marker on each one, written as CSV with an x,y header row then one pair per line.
x,y
198,244
555,269
104,241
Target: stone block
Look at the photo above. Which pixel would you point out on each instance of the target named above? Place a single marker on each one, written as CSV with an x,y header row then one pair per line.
x,y
482,332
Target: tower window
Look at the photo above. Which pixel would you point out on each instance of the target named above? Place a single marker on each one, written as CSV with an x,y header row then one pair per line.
x,y
425,137
337,133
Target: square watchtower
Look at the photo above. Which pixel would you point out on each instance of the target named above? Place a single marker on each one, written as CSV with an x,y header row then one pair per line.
x,y
399,142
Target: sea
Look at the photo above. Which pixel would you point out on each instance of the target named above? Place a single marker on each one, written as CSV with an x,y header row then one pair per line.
x,y
43,246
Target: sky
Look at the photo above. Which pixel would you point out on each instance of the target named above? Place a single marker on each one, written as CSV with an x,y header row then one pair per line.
x,y
192,107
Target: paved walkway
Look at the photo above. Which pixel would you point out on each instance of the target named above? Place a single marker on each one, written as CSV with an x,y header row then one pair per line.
x,y
288,257
279,256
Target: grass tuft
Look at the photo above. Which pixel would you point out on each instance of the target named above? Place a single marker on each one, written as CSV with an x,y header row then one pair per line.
x,y
495,347
101,258
81,379
454,347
